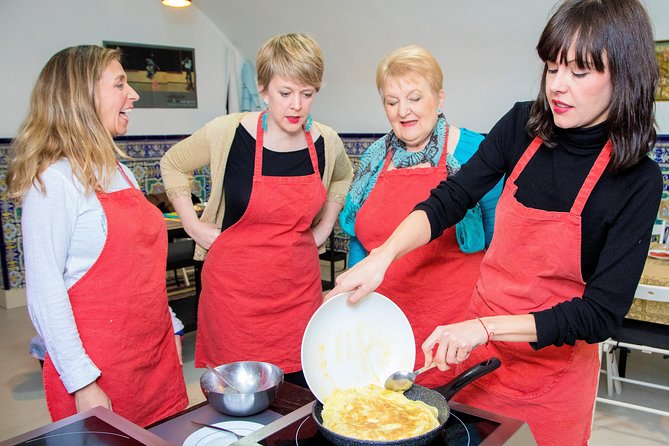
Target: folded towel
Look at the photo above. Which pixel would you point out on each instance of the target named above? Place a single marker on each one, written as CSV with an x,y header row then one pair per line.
x,y
469,231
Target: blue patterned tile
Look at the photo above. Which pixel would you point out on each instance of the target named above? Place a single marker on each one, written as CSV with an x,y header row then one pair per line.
x,y
145,153
144,162
356,146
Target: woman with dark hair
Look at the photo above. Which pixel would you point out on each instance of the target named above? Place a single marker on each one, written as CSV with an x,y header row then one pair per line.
x,y
572,226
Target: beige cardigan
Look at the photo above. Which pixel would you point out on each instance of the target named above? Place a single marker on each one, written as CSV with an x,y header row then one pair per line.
x,y
211,145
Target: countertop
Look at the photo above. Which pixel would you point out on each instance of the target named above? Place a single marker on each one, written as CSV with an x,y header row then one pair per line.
x,y
294,403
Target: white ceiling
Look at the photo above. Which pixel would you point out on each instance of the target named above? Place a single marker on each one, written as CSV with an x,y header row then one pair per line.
x,y
485,47
356,34
355,25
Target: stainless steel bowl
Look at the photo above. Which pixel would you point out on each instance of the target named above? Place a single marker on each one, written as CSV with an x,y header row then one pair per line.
x,y
257,383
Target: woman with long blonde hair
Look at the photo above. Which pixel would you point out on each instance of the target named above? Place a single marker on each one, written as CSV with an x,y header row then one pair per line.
x,y
94,248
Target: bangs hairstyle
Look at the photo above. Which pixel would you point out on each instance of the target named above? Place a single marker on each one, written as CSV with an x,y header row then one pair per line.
x,y
410,60
292,56
613,33
63,122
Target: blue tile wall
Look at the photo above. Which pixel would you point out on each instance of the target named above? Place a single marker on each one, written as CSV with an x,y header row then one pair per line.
x,y
144,161
661,154
145,154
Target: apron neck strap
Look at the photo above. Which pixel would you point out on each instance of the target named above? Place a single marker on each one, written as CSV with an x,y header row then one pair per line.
x,y
260,138
444,151
590,181
127,178
524,159
593,177
442,159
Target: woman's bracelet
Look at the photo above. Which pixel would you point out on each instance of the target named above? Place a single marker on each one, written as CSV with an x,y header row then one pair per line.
x,y
489,334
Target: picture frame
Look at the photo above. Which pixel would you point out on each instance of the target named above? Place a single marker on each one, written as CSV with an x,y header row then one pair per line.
x,y
662,54
163,76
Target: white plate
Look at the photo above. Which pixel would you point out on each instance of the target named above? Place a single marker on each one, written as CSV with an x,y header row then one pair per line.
x,y
348,346
212,437
660,254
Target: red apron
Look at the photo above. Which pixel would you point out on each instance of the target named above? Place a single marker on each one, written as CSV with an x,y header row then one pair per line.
x,y
433,284
534,263
261,279
120,309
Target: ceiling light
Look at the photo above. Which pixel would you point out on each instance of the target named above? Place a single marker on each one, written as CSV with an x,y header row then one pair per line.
x,y
177,3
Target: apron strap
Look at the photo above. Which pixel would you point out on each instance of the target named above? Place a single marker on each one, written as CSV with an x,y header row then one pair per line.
x,y
260,137
444,153
442,159
125,175
312,151
386,163
590,181
524,159
593,177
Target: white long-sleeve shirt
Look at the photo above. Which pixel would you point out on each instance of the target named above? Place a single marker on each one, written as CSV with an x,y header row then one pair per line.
x,y
64,232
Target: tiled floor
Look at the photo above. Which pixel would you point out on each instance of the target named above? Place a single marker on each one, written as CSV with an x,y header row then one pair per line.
x,y
22,405
614,425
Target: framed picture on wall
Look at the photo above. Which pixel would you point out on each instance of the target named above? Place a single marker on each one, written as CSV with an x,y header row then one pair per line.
x,y
163,76
662,53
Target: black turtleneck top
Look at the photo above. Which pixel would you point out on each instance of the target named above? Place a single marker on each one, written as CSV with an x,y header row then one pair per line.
x,y
616,222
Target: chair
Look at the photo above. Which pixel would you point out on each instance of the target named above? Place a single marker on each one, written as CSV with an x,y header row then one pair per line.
x,y
658,234
332,256
646,337
180,256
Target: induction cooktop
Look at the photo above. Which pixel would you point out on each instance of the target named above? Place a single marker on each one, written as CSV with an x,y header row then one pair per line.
x,y
461,429
466,426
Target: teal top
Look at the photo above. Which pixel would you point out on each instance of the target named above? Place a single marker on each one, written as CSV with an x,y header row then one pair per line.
x,y
371,163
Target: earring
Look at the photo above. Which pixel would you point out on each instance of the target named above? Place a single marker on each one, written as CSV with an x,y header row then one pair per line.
x,y
264,121
439,111
307,125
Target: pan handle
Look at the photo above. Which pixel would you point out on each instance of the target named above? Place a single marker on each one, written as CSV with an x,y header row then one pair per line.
x,y
469,375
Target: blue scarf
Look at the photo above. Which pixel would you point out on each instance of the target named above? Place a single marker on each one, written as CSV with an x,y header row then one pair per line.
x,y
429,154
371,164
469,231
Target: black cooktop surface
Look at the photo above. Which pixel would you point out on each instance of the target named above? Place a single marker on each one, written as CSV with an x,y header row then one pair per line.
x,y
462,429
91,431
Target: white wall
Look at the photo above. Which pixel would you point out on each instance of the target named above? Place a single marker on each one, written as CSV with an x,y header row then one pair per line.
x,y
485,48
31,31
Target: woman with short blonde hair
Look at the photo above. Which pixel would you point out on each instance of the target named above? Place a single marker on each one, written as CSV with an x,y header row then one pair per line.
x,y
278,181
293,56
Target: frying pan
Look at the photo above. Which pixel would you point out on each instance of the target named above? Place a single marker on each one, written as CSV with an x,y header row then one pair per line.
x,y
434,397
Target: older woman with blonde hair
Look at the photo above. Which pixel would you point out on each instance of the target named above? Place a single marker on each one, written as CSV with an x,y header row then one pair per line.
x,y
278,182
94,247
435,283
